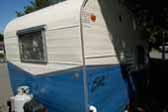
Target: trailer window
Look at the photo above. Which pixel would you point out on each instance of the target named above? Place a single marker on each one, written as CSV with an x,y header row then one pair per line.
x,y
32,46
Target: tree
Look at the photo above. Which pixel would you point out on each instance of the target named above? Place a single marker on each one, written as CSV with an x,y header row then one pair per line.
x,y
36,5
149,12
1,37
152,18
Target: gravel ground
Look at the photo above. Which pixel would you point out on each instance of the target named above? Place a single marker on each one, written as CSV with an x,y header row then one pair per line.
x,y
5,89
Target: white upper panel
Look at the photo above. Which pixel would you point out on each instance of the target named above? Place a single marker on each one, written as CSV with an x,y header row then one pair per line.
x,y
56,16
62,35
99,49
106,39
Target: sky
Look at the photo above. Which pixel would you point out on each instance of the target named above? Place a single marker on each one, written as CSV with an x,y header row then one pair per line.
x,y
8,10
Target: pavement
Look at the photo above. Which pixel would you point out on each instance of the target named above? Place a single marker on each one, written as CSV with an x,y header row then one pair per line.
x,y
5,89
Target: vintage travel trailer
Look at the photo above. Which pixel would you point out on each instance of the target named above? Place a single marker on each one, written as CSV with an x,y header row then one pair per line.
x,y
70,55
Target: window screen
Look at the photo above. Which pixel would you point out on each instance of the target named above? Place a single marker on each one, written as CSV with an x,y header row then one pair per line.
x,y
32,45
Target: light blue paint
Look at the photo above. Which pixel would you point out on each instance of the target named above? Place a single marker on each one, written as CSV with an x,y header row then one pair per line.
x,y
64,92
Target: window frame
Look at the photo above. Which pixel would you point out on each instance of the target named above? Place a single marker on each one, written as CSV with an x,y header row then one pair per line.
x,y
42,30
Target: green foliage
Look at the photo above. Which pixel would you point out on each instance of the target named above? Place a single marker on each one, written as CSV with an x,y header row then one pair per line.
x,y
152,18
55,1
19,14
1,37
36,5
1,56
39,4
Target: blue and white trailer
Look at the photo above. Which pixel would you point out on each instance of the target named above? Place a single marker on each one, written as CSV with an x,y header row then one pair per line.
x,y
70,54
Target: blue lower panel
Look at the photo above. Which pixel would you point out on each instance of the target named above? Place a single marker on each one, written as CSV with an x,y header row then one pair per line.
x,y
107,89
63,91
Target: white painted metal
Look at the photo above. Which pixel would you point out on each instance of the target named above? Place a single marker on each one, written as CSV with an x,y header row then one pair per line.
x,y
108,40
62,37
68,45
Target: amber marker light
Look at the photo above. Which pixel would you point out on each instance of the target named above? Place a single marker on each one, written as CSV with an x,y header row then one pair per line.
x,y
93,18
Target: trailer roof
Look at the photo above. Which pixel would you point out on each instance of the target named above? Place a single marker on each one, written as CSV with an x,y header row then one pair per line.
x,y
58,15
